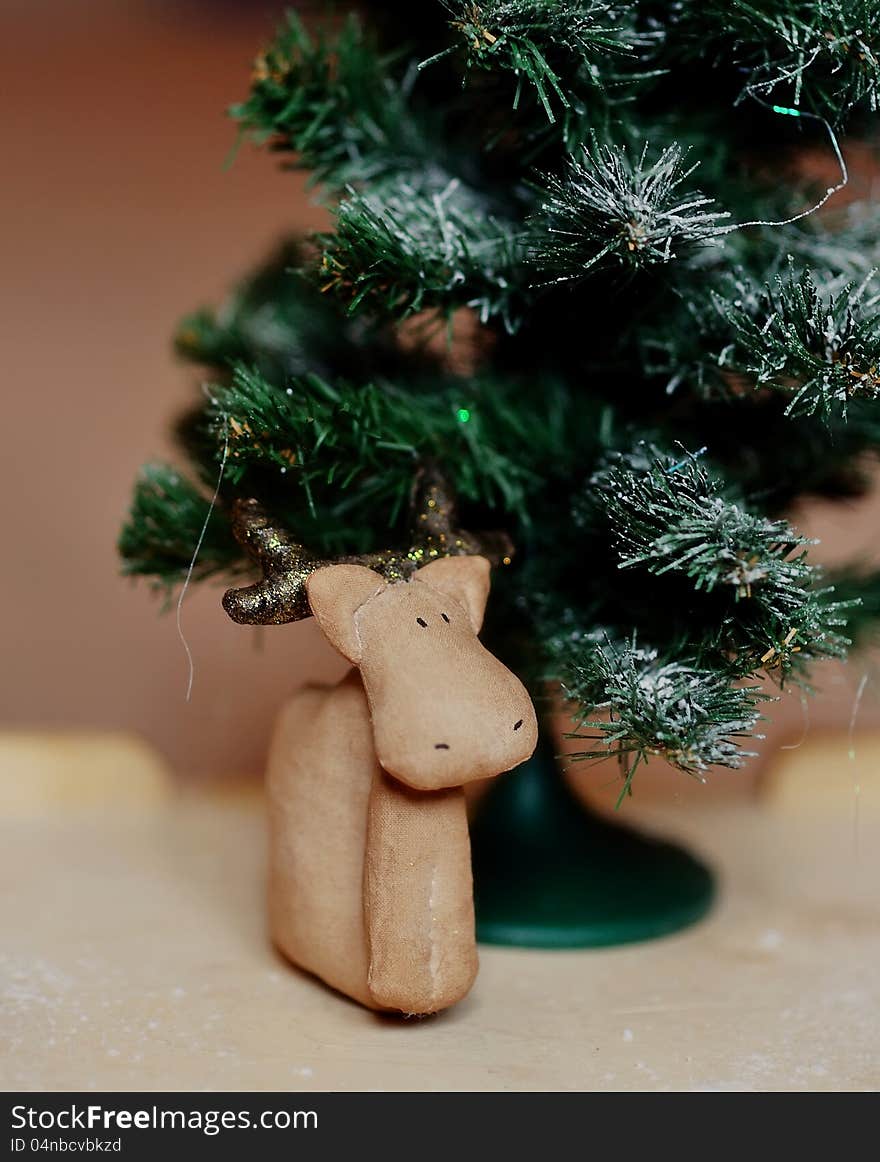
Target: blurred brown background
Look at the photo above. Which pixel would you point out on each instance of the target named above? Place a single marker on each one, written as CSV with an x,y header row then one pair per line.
x,y
118,216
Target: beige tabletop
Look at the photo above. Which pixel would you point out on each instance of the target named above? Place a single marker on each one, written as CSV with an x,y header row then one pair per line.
x,y
134,955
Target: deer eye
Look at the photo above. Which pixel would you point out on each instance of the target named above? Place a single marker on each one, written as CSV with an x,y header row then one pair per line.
x,y
445,618
422,622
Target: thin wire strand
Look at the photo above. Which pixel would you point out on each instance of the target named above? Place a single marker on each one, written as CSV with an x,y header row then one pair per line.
x,y
829,193
805,717
192,564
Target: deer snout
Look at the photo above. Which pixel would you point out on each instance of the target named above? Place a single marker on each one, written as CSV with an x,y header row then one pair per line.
x,y
460,739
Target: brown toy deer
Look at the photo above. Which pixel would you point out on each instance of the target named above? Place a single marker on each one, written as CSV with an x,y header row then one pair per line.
x,y
370,874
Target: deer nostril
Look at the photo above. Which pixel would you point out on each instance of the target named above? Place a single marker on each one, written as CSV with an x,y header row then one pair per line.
x,y
517,725
441,746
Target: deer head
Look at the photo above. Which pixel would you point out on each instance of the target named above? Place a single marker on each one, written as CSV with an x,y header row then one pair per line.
x,y
445,711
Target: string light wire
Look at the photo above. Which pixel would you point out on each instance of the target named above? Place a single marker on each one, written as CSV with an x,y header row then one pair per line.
x,y
786,111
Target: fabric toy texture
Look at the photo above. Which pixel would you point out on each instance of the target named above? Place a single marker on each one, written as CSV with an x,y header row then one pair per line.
x,y
370,875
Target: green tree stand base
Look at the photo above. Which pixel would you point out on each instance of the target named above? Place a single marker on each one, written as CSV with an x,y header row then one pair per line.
x,y
550,874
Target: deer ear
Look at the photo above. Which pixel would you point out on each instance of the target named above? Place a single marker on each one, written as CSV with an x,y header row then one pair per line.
x,y
336,593
464,578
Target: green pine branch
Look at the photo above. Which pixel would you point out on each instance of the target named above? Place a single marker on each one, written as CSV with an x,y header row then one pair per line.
x,y
555,47
819,347
766,608
632,703
823,55
329,439
415,245
611,212
163,527
668,515
336,103
859,587
273,320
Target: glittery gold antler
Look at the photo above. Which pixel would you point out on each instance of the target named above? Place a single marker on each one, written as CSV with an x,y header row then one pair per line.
x,y
434,522
280,596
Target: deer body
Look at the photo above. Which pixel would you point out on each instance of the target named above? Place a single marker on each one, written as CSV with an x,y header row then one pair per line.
x,y
370,874
369,881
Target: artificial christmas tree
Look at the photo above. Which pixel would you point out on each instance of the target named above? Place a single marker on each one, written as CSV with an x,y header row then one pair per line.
x,y
676,336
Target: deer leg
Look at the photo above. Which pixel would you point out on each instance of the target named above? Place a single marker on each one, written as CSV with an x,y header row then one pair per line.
x,y
320,773
418,897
